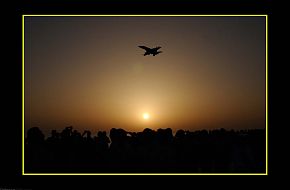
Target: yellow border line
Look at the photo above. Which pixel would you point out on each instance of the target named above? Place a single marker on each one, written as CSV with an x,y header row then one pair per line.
x,y
145,174
23,94
23,136
267,95
144,15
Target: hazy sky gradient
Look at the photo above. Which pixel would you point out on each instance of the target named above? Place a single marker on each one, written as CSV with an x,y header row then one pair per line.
x,y
88,72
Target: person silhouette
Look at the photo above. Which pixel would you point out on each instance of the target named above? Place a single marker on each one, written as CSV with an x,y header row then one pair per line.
x,y
35,136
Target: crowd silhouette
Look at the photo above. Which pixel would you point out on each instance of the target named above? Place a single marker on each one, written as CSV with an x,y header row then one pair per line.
x,y
149,151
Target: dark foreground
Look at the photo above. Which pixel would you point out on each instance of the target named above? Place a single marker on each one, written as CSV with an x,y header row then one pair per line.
x,y
217,151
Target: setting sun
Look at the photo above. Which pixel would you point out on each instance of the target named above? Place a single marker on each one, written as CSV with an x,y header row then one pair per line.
x,y
146,116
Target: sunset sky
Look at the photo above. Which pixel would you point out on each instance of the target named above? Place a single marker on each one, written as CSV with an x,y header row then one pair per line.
x,y
89,72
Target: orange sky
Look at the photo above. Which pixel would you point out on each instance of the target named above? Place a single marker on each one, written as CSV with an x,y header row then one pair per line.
x,y
88,72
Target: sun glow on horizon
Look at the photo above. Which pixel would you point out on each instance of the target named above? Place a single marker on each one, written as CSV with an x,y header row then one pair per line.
x,y
146,116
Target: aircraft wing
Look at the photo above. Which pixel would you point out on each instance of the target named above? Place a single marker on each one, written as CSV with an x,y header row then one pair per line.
x,y
145,48
156,49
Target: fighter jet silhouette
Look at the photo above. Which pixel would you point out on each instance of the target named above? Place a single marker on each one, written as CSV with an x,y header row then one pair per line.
x,y
153,51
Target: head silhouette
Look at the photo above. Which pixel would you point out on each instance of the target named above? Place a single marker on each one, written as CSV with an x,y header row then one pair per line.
x,y
35,136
